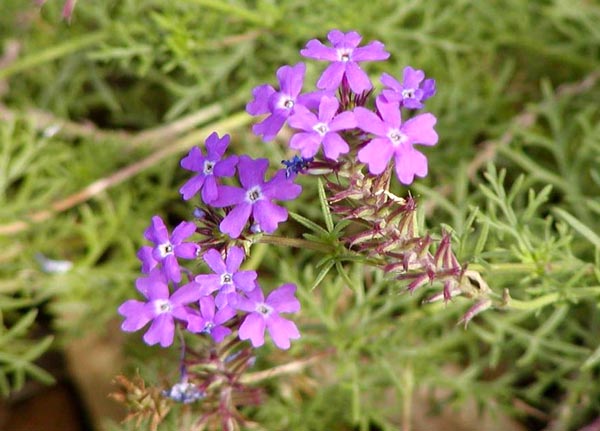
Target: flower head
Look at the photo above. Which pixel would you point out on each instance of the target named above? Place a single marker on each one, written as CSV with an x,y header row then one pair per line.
x,y
265,314
167,248
208,167
161,308
322,129
394,138
210,320
345,56
227,278
413,90
255,197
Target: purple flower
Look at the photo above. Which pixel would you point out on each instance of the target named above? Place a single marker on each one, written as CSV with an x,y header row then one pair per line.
x,y
209,322
208,168
161,308
265,315
345,56
227,278
279,104
168,248
412,92
322,129
392,138
254,198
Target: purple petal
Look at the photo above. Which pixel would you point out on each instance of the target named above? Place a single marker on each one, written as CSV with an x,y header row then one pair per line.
x,y
223,315
144,254
190,188
391,82
369,122
377,155
283,299
307,143
154,286
185,294
282,331
357,78
235,257
136,314
260,103
218,333
171,267
334,145
207,308
253,329
328,108
210,192
332,76
303,119
311,100
420,129
245,280
229,196
270,126
226,167
161,331
184,230
428,88
157,232
268,215
336,37
411,78
390,112
293,78
317,50
208,283
344,121
215,146
373,51
236,220
215,261
194,161
281,188
252,171
410,163
187,250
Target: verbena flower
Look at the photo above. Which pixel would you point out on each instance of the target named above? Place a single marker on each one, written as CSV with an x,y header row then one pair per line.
x,y
344,55
321,129
210,320
209,168
394,138
413,90
167,248
255,198
227,277
265,314
279,104
161,308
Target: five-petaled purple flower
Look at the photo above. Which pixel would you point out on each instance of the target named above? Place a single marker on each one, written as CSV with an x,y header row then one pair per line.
x,y
345,56
392,138
322,129
227,277
161,308
167,248
413,90
209,167
254,198
265,315
210,322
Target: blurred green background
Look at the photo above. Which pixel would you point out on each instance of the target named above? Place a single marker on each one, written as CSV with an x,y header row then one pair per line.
x,y
116,97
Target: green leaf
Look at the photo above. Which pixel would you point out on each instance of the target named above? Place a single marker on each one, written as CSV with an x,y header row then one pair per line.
x,y
325,206
582,229
308,223
322,274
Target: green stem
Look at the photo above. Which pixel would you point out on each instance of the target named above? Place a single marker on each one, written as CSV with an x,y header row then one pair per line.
x,y
52,53
550,298
295,243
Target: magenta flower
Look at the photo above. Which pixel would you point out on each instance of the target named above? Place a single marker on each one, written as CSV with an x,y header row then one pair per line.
x,y
209,322
208,168
167,248
161,308
345,56
321,130
392,138
265,315
227,279
413,90
279,104
255,198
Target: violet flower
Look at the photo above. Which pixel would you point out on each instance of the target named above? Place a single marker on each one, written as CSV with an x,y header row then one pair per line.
x,y
266,315
413,90
321,130
161,308
210,322
345,55
227,278
255,198
168,248
280,104
392,138
209,167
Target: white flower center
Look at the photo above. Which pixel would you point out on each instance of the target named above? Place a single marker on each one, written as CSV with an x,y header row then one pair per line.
x,y
165,249
344,55
208,167
397,137
321,128
264,309
288,104
254,194
162,306
226,278
409,93
208,327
